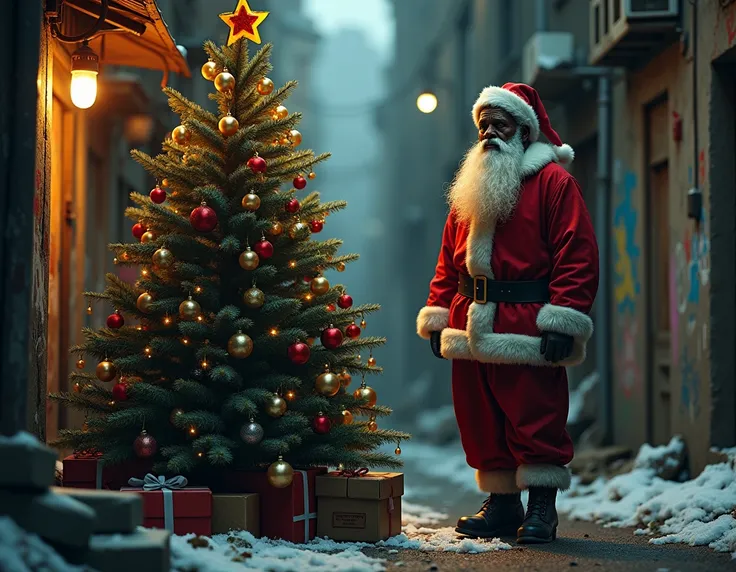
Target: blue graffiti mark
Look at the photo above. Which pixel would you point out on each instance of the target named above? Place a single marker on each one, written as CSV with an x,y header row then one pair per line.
x,y
626,250
690,388
699,263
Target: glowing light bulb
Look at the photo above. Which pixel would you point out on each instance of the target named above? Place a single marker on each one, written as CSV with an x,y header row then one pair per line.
x,y
185,341
84,88
427,102
205,364
273,332
197,289
308,297
167,321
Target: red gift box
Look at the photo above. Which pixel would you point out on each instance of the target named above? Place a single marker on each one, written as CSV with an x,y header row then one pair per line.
x,y
289,513
86,472
181,511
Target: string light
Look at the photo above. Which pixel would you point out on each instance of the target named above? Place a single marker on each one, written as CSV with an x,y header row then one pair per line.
x,y
200,318
290,395
167,321
193,431
273,332
204,364
198,290
115,260
308,297
292,263
145,272
200,454
185,341
148,351
125,256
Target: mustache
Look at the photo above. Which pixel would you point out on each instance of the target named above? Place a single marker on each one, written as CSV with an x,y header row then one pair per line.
x,y
496,144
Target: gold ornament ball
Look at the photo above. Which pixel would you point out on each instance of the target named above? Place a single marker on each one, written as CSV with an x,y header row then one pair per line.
x,y
209,70
276,406
249,260
319,285
340,267
189,310
240,346
295,137
365,392
345,378
397,451
347,417
327,384
144,302
285,141
225,82
181,135
251,202
371,361
228,126
372,426
281,112
265,86
254,298
163,258
312,175
299,230
276,229
148,236
106,371
280,474
80,363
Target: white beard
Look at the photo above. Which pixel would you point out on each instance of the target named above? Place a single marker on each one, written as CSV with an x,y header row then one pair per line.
x,y
487,185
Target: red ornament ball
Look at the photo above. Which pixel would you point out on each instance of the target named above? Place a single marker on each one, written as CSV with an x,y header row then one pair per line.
x,y
120,392
139,229
299,353
203,218
345,301
158,195
316,225
145,446
299,183
292,206
331,338
321,424
263,248
331,307
352,331
257,164
115,321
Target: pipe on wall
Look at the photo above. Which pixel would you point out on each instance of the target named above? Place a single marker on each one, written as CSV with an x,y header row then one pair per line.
x,y
542,15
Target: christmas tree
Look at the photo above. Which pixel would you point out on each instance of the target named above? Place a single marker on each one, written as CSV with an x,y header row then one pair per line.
x,y
209,360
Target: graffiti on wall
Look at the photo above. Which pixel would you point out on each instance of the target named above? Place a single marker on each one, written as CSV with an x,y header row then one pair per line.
x,y
690,387
630,377
692,265
626,250
724,30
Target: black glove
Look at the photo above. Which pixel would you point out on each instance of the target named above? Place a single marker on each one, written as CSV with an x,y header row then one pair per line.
x,y
556,347
435,343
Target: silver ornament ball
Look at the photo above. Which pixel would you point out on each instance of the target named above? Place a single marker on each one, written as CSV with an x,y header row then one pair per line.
x,y
251,433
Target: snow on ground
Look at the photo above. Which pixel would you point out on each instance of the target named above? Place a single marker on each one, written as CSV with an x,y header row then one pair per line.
x,y
21,551
447,463
695,512
578,395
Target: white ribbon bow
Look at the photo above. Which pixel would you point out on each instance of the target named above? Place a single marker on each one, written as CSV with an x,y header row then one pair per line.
x,y
153,483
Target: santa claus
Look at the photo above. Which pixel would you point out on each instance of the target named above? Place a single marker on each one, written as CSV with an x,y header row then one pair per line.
x,y
514,284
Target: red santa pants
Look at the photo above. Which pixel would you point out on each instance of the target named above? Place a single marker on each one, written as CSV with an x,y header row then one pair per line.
x,y
512,422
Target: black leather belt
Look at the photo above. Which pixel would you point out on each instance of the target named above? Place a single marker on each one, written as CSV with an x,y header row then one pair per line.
x,y
481,290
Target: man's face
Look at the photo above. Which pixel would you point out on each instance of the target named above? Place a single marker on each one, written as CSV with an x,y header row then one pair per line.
x,y
495,123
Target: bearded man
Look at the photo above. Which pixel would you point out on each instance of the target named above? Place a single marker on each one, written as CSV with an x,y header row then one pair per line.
x,y
515,281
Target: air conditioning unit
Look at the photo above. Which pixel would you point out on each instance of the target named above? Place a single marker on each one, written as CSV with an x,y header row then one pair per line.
x,y
630,32
546,51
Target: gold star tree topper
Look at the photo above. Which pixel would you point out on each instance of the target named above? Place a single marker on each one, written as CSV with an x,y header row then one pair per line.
x,y
243,23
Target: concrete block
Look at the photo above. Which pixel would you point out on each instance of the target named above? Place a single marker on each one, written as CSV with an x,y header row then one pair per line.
x,y
144,550
116,511
26,463
56,518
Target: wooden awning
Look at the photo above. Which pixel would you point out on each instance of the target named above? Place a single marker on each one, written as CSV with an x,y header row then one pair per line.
x,y
134,34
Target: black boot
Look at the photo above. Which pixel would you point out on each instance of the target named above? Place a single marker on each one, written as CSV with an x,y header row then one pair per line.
x,y
540,523
500,515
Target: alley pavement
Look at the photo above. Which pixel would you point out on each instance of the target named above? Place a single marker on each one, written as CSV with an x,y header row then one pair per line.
x,y
580,545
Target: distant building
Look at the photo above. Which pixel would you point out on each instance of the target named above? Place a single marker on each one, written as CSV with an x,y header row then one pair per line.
x,y
667,333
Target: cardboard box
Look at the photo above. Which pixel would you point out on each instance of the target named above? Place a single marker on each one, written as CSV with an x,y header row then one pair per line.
x,y
236,512
359,508
86,472
181,511
289,513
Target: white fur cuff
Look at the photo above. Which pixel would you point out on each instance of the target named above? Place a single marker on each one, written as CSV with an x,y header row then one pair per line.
x,y
498,482
432,319
565,154
562,320
547,476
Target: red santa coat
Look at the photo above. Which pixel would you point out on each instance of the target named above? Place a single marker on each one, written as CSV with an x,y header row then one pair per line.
x,y
549,236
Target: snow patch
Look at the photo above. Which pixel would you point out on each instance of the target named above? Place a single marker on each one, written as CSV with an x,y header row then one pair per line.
x,y
420,515
441,540
578,395
697,512
21,551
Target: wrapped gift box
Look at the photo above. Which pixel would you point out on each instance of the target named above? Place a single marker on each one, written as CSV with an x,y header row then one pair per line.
x,y
87,472
289,513
180,511
236,512
360,507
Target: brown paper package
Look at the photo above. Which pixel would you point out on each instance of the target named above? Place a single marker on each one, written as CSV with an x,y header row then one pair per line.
x,y
359,509
236,512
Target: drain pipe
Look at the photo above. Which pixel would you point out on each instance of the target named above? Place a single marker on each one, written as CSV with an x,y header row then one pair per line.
x,y
542,15
603,221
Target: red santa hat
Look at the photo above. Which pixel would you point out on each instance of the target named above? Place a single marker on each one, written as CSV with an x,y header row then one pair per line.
x,y
523,103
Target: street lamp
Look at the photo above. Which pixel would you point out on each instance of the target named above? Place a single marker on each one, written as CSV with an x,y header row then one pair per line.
x,y
427,101
85,67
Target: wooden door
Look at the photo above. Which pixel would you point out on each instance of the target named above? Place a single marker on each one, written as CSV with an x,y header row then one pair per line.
x,y
658,260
